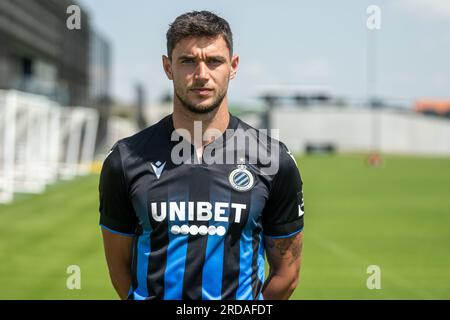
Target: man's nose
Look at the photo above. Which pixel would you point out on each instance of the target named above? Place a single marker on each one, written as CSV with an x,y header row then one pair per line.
x,y
201,72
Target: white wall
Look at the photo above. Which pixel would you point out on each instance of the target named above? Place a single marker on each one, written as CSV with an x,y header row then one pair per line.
x,y
359,129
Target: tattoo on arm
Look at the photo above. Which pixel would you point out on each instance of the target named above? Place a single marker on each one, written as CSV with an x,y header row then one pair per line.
x,y
290,248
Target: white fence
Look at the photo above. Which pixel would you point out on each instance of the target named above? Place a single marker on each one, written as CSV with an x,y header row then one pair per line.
x,y
41,142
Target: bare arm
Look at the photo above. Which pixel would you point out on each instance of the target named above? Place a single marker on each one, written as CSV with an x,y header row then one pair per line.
x,y
119,252
284,258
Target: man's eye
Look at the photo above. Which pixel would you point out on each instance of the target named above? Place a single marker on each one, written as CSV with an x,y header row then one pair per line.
x,y
186,61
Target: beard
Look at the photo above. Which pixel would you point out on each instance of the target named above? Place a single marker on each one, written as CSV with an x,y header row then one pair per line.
x,y
201,109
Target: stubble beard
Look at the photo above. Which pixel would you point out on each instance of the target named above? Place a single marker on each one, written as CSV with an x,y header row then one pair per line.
x,y
204,109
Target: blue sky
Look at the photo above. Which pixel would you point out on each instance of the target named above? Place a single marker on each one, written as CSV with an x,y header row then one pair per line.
x,y
319,43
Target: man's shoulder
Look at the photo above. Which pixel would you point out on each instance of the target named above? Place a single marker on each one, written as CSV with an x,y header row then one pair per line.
x,y
144,139
156,129
264,136
241,124
270,154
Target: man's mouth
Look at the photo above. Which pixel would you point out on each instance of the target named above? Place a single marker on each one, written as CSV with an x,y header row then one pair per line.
x,y
202,91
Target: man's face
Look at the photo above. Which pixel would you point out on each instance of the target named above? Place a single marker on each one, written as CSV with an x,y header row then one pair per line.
x,y
201,69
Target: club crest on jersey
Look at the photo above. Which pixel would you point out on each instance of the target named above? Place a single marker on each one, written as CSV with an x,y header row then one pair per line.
x,y
241,179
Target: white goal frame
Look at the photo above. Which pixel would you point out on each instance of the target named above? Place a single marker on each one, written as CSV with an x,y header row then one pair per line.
x,y
41,142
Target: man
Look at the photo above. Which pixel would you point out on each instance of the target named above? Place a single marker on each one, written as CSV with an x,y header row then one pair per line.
x,y
179,226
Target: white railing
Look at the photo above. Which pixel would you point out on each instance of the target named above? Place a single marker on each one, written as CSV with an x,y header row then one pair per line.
x,y
41,142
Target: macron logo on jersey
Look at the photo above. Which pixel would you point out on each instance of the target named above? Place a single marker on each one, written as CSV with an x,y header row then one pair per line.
x,y
301,206
300,211
158,168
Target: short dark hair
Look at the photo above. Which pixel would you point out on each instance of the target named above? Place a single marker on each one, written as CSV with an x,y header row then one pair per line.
x,y
198,24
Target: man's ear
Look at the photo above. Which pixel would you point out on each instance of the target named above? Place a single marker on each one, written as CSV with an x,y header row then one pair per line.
x,y
167,65
234,66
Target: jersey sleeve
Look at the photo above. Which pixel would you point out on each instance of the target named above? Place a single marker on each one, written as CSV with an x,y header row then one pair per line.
x,y
283,213
116,211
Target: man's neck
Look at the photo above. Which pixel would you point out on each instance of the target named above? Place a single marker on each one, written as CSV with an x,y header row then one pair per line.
x,y
216,122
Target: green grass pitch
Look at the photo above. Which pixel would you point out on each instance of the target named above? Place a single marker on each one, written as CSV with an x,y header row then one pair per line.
x,y
396,217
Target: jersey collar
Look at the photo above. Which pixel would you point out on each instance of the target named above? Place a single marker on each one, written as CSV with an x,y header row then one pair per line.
x,y
232,125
